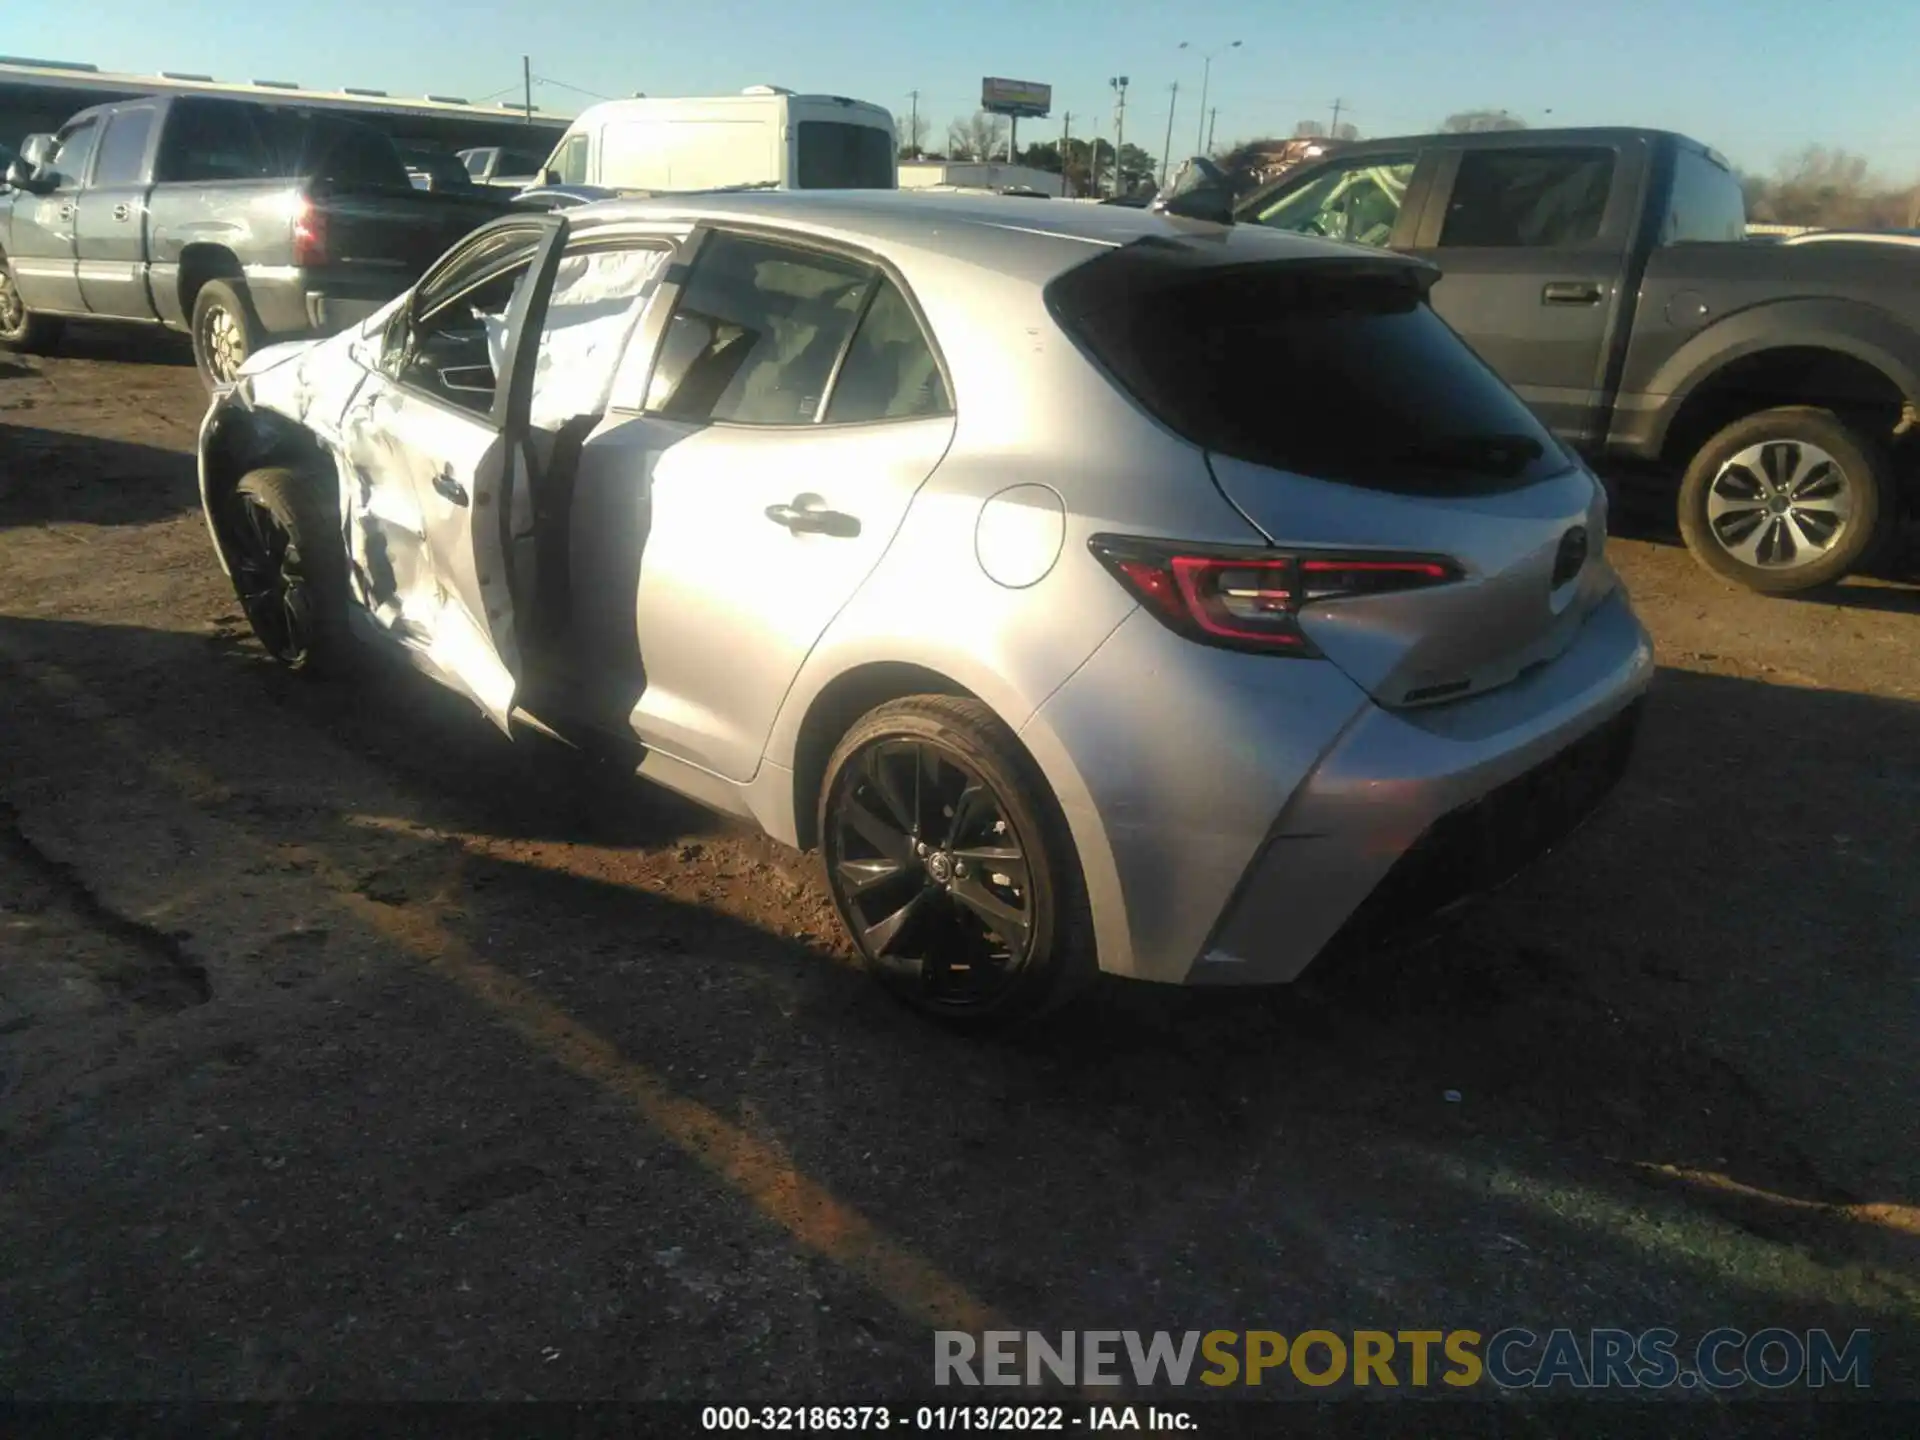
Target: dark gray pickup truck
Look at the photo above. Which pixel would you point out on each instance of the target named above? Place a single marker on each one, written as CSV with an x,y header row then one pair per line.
x,y
235,221
1605,274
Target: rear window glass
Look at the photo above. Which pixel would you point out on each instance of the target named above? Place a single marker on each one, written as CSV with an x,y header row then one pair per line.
x,y
1340,372
1528,198
1706,204
302,145
836,156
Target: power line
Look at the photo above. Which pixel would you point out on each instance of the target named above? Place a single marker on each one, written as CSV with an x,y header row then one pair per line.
x,y
577,89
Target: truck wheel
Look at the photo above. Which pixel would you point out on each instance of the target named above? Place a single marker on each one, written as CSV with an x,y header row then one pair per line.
x,y
284,554
1787,500
225,330
20,328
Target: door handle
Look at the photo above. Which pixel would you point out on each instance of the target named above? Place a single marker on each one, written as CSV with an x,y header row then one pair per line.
x,y
123,211
814,522
66,210
1570,292
444,484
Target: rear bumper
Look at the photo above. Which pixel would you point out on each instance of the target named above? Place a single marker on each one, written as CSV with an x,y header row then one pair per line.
x,y
291,301
332,313
1414,810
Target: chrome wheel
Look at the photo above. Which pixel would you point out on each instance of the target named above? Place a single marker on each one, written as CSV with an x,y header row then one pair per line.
x,y
13,312
1779,505
268,579
930,873
223,342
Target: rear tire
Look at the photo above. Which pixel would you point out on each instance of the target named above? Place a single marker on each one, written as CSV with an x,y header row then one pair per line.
x,y
936,827
20,329
284,554
226,330
1787,500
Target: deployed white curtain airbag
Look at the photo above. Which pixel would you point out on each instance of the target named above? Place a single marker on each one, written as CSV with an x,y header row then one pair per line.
x,y
598,298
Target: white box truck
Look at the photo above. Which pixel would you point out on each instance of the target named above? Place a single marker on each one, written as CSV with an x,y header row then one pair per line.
x,y
762,137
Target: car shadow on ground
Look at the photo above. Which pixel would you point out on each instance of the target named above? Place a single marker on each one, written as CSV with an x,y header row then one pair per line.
x,y
125,344
52,477
1646,514
1714,977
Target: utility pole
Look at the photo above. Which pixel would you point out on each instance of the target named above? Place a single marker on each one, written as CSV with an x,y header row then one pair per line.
x,y
1212,115
1338,106
1119,85
1066,134
1173,99
913,124
526,81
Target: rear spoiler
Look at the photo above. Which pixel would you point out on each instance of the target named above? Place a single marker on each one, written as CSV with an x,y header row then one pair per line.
x,y
1164,263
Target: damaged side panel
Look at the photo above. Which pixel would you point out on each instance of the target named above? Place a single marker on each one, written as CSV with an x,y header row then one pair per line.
x,y
425,539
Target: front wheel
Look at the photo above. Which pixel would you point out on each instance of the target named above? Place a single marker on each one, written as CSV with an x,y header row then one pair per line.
x,y
1787,500
950,866
20,328
288,569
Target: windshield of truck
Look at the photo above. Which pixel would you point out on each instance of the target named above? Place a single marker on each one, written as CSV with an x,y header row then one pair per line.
x,y
836,155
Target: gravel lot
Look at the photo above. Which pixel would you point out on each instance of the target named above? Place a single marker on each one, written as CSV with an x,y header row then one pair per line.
x,y
351,1051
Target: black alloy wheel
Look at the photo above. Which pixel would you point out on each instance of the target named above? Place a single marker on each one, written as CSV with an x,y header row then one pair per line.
x,y
933,874
269,578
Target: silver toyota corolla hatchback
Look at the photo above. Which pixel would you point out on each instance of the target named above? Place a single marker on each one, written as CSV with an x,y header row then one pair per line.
x,y
1097,590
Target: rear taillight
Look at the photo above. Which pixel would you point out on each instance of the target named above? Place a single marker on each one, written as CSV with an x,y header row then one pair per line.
x,y
309,235
1245,599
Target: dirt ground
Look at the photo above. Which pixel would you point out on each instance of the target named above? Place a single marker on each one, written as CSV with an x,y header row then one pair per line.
x,y
350,1051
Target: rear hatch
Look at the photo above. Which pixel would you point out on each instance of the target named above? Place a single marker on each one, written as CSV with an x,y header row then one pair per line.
x,y
1340,414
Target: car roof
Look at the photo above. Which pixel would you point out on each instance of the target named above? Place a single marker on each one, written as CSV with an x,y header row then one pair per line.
x,y
1007,233
1506,139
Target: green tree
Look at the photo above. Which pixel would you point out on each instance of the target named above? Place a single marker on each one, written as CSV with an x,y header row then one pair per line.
x,y
1138,169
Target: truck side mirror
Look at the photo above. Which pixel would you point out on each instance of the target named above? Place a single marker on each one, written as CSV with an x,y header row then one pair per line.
x,y
1200,191
549,176
32,179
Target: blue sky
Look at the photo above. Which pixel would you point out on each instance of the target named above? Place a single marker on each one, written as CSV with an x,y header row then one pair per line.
x,y
1756,78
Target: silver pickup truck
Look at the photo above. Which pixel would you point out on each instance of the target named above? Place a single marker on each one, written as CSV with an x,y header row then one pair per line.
x,y
235,221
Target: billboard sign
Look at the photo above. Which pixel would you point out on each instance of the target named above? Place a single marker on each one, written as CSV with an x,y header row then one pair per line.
x,y
1025,99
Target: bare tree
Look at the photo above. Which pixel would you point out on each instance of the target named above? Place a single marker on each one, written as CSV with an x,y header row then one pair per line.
x,y
1826,187
979,137
910,134
1308,130
1475,122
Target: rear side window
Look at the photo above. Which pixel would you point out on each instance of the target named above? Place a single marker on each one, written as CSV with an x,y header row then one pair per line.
x,y
1528,198
1706,203
209,140
834,155
73,154
889,372
124,149
1340,372
755,336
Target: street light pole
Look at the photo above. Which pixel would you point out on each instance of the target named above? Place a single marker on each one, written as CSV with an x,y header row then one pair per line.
x,y
1119,84
1173,99
1206,74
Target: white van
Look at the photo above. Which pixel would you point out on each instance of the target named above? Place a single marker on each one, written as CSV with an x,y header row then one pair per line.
x,y
763,136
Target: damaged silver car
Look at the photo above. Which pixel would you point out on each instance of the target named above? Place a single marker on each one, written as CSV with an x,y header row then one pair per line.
x,y
1097,590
